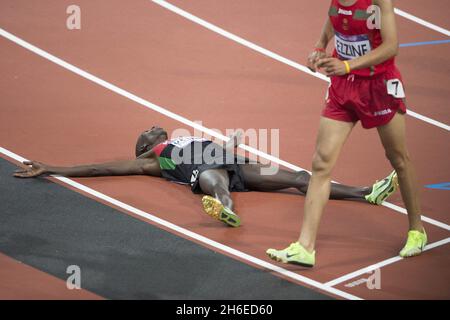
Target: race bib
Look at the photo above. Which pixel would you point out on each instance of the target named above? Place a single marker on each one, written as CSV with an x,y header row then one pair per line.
x,y
351,47
395,88
181,142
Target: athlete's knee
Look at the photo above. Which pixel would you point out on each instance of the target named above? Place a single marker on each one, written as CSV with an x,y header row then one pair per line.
x,y
322,163
220,188
399,159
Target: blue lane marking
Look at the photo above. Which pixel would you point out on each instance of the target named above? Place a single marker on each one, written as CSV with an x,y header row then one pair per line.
x,y
442,186
413,44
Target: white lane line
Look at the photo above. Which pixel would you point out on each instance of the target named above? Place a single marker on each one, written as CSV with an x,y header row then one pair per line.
x,y
424,218
193,235
428,120
381,264
270,54
421,22
238,39
172,115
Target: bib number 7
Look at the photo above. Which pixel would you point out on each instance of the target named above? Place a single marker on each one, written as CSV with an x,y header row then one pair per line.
x,y
395,88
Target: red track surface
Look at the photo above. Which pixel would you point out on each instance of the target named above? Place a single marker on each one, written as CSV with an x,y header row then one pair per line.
x,y
20,281
168,60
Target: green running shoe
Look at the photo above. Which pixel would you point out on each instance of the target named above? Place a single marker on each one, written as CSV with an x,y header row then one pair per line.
x,y
415,244
381,190
214,208
295,254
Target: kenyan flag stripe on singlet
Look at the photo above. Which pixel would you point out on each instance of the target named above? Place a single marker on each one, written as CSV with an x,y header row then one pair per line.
x,y
166,163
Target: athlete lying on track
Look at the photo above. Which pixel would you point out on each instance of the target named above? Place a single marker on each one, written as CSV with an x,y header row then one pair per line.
x,y
156,156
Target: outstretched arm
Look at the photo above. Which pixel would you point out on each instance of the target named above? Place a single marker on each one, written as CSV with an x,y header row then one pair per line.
x,y
118,168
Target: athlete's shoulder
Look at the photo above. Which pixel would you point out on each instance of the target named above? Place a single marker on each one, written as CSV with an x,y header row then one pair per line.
x,y
150,166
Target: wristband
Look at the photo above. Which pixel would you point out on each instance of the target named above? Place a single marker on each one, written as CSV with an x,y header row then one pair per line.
x,y
347,66
320,49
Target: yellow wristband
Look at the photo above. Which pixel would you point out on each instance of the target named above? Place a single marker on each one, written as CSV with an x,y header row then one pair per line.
x,y
347,67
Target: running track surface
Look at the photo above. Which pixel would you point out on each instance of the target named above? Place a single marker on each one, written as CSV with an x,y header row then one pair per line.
x,y
53,115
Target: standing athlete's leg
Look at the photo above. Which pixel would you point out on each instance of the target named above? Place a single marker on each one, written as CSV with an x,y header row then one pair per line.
x,y
284,179
219,205
331,137
393,138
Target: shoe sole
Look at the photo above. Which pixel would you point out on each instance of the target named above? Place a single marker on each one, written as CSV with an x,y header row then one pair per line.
x,y
413,254
389,189
215,209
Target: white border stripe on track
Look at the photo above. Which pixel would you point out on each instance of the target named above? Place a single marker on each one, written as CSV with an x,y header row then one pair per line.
x,y
271,54
424,218
421,22
381,264
172,115
194,235
238,39
429,120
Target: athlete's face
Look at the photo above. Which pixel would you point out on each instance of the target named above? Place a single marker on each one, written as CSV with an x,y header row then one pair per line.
x,y
150,138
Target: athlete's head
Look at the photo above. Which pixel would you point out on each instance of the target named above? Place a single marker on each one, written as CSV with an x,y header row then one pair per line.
x,y
150,138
